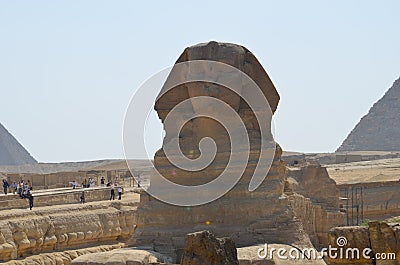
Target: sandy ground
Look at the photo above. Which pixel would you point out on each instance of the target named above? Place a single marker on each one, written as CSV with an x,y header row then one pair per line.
x,y
365,171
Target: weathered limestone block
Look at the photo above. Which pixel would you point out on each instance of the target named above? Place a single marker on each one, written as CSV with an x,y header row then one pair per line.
x,y
315,199
8,247
380,237
357,238
249,256
385,238
128,256
48,199
204,248
61,258
313,181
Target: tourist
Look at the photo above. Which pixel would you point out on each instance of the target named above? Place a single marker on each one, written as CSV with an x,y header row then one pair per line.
x,y
85,183
120,193
102,181
14,187
24,189
83,196
29,195
74,184
5,186
138,181
91,182
112,197
20,188
30,185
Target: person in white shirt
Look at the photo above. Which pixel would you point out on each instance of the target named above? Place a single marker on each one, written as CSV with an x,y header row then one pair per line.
x,y
120,193
91,182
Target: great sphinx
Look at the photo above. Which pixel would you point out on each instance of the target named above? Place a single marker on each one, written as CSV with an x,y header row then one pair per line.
x,y
249,217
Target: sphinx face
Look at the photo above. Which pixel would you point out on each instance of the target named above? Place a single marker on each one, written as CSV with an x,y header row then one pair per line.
x,y
206,82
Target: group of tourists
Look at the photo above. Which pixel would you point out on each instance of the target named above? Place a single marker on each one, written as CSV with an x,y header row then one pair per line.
x,y
22,188
120,190
91,184
17,187
88,184
112,195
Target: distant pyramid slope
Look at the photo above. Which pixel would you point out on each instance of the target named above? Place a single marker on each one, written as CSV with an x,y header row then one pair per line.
x,y
379,130
11,151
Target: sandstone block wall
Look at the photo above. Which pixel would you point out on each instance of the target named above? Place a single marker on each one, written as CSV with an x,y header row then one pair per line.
x,y
380,237
316,220
64,179
315,199
379,200
54,198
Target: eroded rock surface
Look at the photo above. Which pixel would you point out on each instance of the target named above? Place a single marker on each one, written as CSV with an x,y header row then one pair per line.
x,y
249,256
61,257
380,237
122,256
204,248
315,200
23,234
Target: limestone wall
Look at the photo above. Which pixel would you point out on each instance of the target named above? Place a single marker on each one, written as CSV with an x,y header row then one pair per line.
x,y
53,180
64,179
313,181
382,238
314,197
316,221
54,198
380,200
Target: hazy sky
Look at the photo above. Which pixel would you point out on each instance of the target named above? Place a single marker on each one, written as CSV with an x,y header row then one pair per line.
x,y
69,68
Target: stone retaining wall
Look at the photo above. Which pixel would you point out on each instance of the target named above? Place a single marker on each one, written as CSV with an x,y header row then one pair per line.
x,y
47,199
379,200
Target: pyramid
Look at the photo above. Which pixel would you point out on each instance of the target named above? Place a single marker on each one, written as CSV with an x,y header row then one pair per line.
x,y
379,130
11,151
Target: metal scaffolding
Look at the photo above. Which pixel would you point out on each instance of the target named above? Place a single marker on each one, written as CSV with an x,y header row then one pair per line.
x,y
354,205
